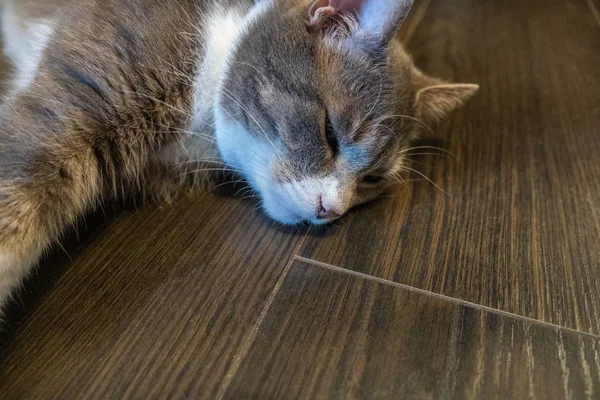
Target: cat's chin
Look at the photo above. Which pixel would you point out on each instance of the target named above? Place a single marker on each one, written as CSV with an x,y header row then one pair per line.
x,y
280,213
322,221
290,204
277,210
293,220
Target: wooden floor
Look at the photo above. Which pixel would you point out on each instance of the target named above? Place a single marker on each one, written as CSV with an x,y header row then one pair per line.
x,y
489,291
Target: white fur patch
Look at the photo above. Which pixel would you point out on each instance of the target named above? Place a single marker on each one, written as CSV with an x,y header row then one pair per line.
x,y
25,42
243,152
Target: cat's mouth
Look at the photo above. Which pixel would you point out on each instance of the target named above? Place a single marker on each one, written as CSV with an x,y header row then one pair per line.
x,y
287,216
307,201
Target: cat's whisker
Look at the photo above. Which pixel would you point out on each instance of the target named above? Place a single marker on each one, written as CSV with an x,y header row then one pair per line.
x,y
396,176
408,117
427,154
244,188
224,170
428,147
250,197
257,167
392,132
207,170
417,162
225,183
250,193
229,169
257,206
426,178
225,166
200,160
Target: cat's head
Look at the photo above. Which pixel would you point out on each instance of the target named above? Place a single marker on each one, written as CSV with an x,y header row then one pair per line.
x,y
320,103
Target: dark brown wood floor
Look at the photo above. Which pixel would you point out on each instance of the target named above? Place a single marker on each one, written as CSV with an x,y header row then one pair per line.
x,y
489,291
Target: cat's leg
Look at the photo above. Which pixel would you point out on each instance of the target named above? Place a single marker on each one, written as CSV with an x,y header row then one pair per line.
x,y
101,103
50,174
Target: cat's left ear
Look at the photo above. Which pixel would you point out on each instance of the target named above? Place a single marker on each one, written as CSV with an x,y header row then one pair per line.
x,y
378,20
435,99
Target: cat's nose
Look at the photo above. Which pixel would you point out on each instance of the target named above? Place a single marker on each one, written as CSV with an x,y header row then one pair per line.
x,y
327,212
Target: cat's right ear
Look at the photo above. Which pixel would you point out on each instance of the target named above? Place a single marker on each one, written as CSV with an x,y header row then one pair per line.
x,y
377,20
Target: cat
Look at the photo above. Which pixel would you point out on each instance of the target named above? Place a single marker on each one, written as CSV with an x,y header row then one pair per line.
x,y
313,102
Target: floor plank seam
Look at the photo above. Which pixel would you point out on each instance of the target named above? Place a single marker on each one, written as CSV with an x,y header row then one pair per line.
x,y
416,21
594,11
446,298
252,336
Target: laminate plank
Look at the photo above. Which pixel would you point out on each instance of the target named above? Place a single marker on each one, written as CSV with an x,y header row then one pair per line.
x,y
520,227
157,305
331,335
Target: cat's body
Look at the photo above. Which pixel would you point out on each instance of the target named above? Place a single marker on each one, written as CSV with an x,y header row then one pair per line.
x,y
312,102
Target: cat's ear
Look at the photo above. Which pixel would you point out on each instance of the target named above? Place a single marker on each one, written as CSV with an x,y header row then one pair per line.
x,y
435,99
378,20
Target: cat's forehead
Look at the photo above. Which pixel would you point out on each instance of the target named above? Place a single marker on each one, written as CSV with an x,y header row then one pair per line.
x,y
274,37
283,49
287,66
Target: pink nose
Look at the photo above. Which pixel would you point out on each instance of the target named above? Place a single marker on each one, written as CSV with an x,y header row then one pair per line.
x,y
327,212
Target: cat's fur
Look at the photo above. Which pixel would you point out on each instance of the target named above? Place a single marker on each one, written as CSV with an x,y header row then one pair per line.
x,y
313,102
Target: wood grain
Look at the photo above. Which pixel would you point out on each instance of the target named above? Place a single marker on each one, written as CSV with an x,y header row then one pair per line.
x,y
156,306
167,302
330,335
520,227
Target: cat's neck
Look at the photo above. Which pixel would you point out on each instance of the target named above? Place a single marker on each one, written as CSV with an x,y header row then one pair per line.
x,y
222,29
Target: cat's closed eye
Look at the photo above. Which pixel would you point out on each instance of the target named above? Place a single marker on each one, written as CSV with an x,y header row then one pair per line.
x,y
372,179
330,136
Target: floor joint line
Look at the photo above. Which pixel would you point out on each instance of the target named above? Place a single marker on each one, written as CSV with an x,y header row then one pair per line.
x,y
252,336
445,297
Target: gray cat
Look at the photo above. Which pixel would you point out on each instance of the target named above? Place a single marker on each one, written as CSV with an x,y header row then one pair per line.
x,y
314,103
